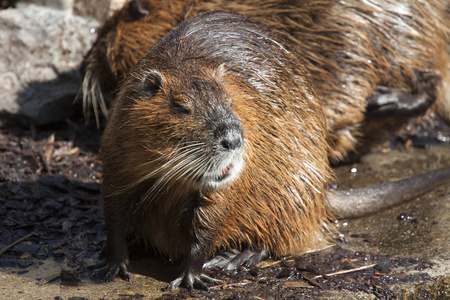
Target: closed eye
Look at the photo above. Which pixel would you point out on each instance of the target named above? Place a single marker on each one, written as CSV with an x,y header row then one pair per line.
x,y
180,109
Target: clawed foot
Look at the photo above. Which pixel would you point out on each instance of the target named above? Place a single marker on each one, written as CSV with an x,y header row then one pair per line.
x,y
107,271
390,102
233,259
191,281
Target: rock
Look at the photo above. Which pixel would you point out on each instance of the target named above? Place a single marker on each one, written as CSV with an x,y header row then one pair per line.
x,y
117,4
69,277
95,9
58,4
43,48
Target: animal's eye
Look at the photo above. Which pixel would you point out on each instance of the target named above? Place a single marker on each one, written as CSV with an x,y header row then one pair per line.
x,y
180,108
152,83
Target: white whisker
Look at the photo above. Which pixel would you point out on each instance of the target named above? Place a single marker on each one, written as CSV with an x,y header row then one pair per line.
x,y
176,167
175,170
165,165
93,96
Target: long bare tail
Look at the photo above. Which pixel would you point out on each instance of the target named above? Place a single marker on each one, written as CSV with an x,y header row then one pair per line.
x,y
368,200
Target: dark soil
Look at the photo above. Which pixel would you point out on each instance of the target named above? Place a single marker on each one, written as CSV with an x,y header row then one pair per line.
x,y
50,187
306,277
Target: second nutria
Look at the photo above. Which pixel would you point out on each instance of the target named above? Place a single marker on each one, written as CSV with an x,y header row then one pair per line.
x,y
217,140
375,65
125,39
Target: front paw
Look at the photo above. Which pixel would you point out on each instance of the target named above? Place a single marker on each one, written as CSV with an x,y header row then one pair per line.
x,y
190,281
107,271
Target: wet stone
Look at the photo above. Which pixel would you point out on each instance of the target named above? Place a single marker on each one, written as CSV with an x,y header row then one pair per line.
x,y
58,254
25,263
26,248
69,278
52,204
383,266
66,225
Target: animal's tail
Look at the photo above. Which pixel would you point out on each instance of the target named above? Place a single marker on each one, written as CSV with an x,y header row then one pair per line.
x,y
368,200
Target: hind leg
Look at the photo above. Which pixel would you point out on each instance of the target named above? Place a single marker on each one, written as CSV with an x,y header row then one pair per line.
x,y
233,259
386,102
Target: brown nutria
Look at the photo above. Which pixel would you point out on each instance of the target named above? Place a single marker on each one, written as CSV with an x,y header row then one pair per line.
x,y
198,111
375,64
216,140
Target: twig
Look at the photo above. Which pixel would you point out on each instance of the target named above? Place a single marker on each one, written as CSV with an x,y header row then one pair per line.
x,y
49,279
346,271
312,281
47,152
15,243
229,285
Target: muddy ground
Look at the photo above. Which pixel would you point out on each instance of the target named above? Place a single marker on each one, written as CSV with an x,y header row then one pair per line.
x,y
50,194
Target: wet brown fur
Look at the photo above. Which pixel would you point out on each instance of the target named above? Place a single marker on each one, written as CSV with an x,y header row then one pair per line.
x,y
404,42
276,204
349,49
442,105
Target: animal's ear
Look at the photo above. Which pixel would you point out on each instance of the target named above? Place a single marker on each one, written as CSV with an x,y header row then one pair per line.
x,y
153,82
137,10
221,72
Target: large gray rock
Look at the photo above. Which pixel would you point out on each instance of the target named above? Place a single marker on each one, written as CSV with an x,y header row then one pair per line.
x,y
58,4
94,9
41,49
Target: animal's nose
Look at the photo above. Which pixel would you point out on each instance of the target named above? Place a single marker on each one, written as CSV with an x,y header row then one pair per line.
x,y
229,135
231,142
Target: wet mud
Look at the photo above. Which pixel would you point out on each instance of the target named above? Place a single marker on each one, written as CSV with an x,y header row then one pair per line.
x,y
50,194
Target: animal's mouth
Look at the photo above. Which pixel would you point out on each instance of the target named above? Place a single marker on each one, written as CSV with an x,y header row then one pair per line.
x,y
220,175
224,174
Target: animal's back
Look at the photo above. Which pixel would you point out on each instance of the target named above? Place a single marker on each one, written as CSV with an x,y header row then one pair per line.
x,y
353,47
350,47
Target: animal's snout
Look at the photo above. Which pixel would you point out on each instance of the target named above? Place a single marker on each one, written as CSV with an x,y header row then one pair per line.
x,y
231,142
229,135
